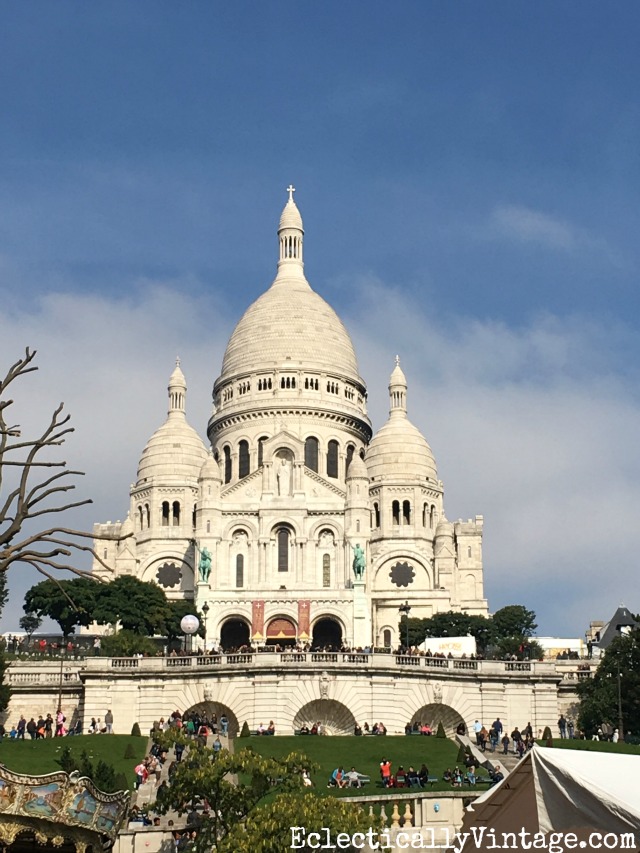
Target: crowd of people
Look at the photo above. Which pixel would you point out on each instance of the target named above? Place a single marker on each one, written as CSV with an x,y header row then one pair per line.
x,y
49,725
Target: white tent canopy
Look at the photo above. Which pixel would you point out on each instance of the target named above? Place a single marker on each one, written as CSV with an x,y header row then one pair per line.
x,y
563,790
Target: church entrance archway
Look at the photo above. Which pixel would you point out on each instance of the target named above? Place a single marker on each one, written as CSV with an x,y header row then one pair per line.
x,y
210,708
234,634
434,714
336,718
327,634
281,632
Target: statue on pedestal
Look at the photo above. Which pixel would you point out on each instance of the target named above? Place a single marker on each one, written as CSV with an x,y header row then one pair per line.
x,y
358,562
204,566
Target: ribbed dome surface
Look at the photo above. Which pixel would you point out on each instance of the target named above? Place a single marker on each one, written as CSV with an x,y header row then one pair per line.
x,y
174,451
290,325
399,450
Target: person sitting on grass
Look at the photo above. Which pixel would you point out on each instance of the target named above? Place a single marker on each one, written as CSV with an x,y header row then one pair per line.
x,y
423,775
401,778
471,776
337,778
447,776
353,779
413,780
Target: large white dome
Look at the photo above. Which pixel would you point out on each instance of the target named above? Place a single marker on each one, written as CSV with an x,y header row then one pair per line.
x,y
290,326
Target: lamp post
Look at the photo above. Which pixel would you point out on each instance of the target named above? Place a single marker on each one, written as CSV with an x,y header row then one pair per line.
x,y
189,625
205,613
405,610
60,680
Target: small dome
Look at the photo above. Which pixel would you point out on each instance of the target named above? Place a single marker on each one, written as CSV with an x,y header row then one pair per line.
x,y
399,451
210,470
290,217
444,528
357,468
174,452
177,379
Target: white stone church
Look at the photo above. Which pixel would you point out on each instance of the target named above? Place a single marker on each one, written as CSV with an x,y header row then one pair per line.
x,y
265,522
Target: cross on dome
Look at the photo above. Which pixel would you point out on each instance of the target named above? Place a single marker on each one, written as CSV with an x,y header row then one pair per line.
x,y
291,189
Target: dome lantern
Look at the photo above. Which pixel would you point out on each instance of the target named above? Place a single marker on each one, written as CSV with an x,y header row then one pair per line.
x,y
398,391
290,239
177,392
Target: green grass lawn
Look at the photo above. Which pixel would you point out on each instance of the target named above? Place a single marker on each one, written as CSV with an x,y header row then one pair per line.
x,y
363,753
36,757
595,746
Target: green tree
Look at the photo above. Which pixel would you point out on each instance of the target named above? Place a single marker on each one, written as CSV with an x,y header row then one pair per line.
x,y
29,623
452,624
514,620
137,605
203,776
268,827
599,695
67,602
125,643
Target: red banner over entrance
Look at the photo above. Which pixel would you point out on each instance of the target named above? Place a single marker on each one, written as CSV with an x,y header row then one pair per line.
x,y
257,620
304,615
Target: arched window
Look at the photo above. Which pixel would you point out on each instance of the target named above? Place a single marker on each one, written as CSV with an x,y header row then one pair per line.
x,y
376,513
147,510
432,515
240,570
208,526
326,570
425,514
243,459
193,516
469,551
227,464
406,512
311,453
357,525
332,459
395,512
350,452
283,549
165,513
140,517
261,442
386,638
175,513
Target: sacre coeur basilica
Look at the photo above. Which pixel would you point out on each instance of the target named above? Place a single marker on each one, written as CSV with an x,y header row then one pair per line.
x,y
264,526
300,534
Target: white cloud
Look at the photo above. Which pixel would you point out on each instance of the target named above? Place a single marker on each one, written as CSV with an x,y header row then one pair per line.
x,y
524,225
535,428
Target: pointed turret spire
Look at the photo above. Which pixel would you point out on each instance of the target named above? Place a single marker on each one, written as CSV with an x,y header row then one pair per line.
x,y
398,391
290,238
177,391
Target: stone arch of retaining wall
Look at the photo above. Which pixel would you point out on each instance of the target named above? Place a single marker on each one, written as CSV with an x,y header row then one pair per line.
x,y
437,713
208,708
335,717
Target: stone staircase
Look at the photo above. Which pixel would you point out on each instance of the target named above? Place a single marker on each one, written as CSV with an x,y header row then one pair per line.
x,y
146,793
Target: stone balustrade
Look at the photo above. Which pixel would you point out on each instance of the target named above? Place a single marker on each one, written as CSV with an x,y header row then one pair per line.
x,y
49,672
441,813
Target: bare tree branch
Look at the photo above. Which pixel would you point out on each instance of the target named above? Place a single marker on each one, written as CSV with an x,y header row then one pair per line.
x,y
30,498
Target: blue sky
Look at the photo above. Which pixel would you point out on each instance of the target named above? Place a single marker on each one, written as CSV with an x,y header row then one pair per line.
x,y
468,174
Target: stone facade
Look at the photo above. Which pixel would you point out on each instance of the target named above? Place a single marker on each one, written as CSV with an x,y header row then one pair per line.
x,y
292,481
